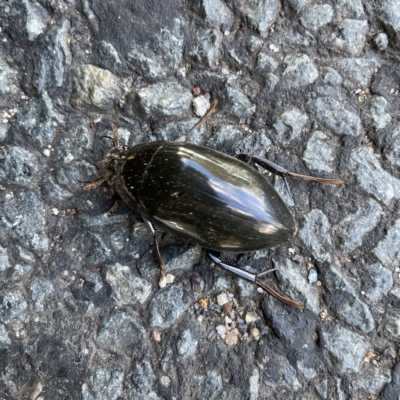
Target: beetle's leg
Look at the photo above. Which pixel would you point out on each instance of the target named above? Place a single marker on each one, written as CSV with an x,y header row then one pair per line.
x,y
96,183
203,119
113,207
162,281
281,172
288,188
115,134
278,170
255,278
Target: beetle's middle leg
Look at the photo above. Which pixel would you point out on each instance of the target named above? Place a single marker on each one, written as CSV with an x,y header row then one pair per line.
x,y
162,281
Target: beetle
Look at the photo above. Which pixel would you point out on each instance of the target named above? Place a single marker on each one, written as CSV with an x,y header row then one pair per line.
x,y
209,198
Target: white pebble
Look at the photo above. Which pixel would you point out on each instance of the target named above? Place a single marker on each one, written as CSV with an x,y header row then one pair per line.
x,y
200,105
222,299
225,71
255,333
221,330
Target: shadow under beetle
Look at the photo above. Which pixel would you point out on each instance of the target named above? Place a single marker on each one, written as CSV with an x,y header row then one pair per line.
x,y
204,196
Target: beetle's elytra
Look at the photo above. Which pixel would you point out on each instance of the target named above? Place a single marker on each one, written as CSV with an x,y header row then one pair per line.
x,y
202,195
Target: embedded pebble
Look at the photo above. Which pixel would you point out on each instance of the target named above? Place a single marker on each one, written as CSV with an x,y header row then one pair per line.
x,y
359,71
163,100
372,177
389,13
316,17
350,36
381,41
127,288
260,15
186,344
298,5
334,116
289,125
95,87
266,62
255,333
236,103
207,49
96,377
354,227
376,116
331,76
118,330
393,151
392,326
320,152
300,71
295,285
271,81
231,338
314,232
353,310
346,348
351,8
381,282
312,276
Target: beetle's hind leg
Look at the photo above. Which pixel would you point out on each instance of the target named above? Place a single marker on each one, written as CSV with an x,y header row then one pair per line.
x,y
255,279
280,171
163,280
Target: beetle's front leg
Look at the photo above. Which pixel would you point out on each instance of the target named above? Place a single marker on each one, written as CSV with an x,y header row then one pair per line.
x,y
162,282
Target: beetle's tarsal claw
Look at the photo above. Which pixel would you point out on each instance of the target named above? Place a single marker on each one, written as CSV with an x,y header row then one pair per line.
x,y
287,188
283,299
266,272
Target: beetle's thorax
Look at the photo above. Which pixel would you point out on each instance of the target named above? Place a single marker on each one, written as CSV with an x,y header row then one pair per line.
x,y
111,164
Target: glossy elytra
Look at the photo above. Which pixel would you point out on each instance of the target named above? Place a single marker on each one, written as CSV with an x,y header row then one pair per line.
x,y
211,199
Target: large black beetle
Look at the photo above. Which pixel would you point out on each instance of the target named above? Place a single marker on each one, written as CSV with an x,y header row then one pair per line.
x,y
202,195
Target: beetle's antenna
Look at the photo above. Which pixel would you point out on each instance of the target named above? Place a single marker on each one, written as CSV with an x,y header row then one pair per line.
x,y
205,117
